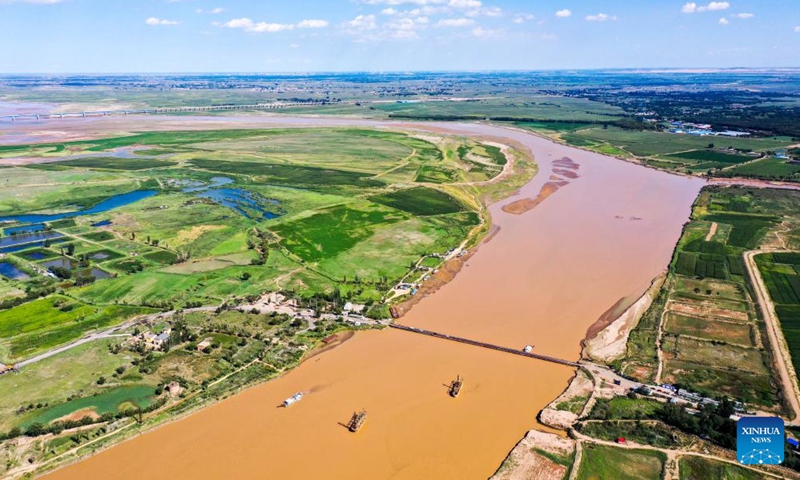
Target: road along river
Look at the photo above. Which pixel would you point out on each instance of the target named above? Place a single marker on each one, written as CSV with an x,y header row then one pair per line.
x,y
606,229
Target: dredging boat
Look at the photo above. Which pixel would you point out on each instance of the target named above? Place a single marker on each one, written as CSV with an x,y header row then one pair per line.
x,y
293,399
455,386
357,421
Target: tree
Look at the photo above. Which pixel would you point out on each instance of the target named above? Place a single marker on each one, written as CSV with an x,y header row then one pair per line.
x,y
71,249
246,276
101,380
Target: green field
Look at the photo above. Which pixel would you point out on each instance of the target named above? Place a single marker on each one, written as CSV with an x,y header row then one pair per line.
x,y
709,156
781,274
699,468
109,163
711,332
420,201
767,168
602,462
648,144
37,326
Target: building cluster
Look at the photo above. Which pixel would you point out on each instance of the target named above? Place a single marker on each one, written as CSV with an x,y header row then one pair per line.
x,y
702,130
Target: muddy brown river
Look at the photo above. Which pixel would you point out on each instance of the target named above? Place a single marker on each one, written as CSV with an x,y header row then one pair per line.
x,y
543,279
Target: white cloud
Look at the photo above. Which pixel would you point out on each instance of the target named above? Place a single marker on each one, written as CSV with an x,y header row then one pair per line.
x,y
312,24
723,21
389,11
549,36
485,32
797,29
160,21
455,22
252,27
523,18
363,22
600,17
718,6
692,7
465,3
564,13
213,11
743,16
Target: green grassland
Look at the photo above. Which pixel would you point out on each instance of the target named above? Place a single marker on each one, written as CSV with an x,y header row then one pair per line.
x,y
318,180
601,462
699,468
42,324
767,168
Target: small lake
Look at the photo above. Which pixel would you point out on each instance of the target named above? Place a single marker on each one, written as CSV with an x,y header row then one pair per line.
x,y
104,223
216,182
74,266
104,206
9,270
246,203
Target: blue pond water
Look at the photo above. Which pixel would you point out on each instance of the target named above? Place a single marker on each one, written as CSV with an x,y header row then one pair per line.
x,y
8,270
70,264
216,182
104,223
23,229
104,206
27,238
244,202
25,246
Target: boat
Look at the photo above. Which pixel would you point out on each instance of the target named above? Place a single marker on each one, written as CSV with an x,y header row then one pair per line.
x,y
357,421
455,386
293,399
528,348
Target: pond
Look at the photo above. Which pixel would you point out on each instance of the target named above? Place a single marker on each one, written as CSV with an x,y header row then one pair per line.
x,y
25,246
104,223
74,266
244,202
195,186
27,238
104,206
23,229
9,270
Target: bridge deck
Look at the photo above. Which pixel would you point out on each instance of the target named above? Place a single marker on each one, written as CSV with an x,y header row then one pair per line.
x,y
485,345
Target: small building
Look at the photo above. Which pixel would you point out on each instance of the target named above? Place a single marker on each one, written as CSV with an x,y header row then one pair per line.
x,y
174,389
202,346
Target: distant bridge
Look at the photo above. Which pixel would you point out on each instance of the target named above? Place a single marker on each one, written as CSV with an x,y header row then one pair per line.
x,y
156,111
485,345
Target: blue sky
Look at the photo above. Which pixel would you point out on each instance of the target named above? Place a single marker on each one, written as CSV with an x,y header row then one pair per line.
x,y
112,36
